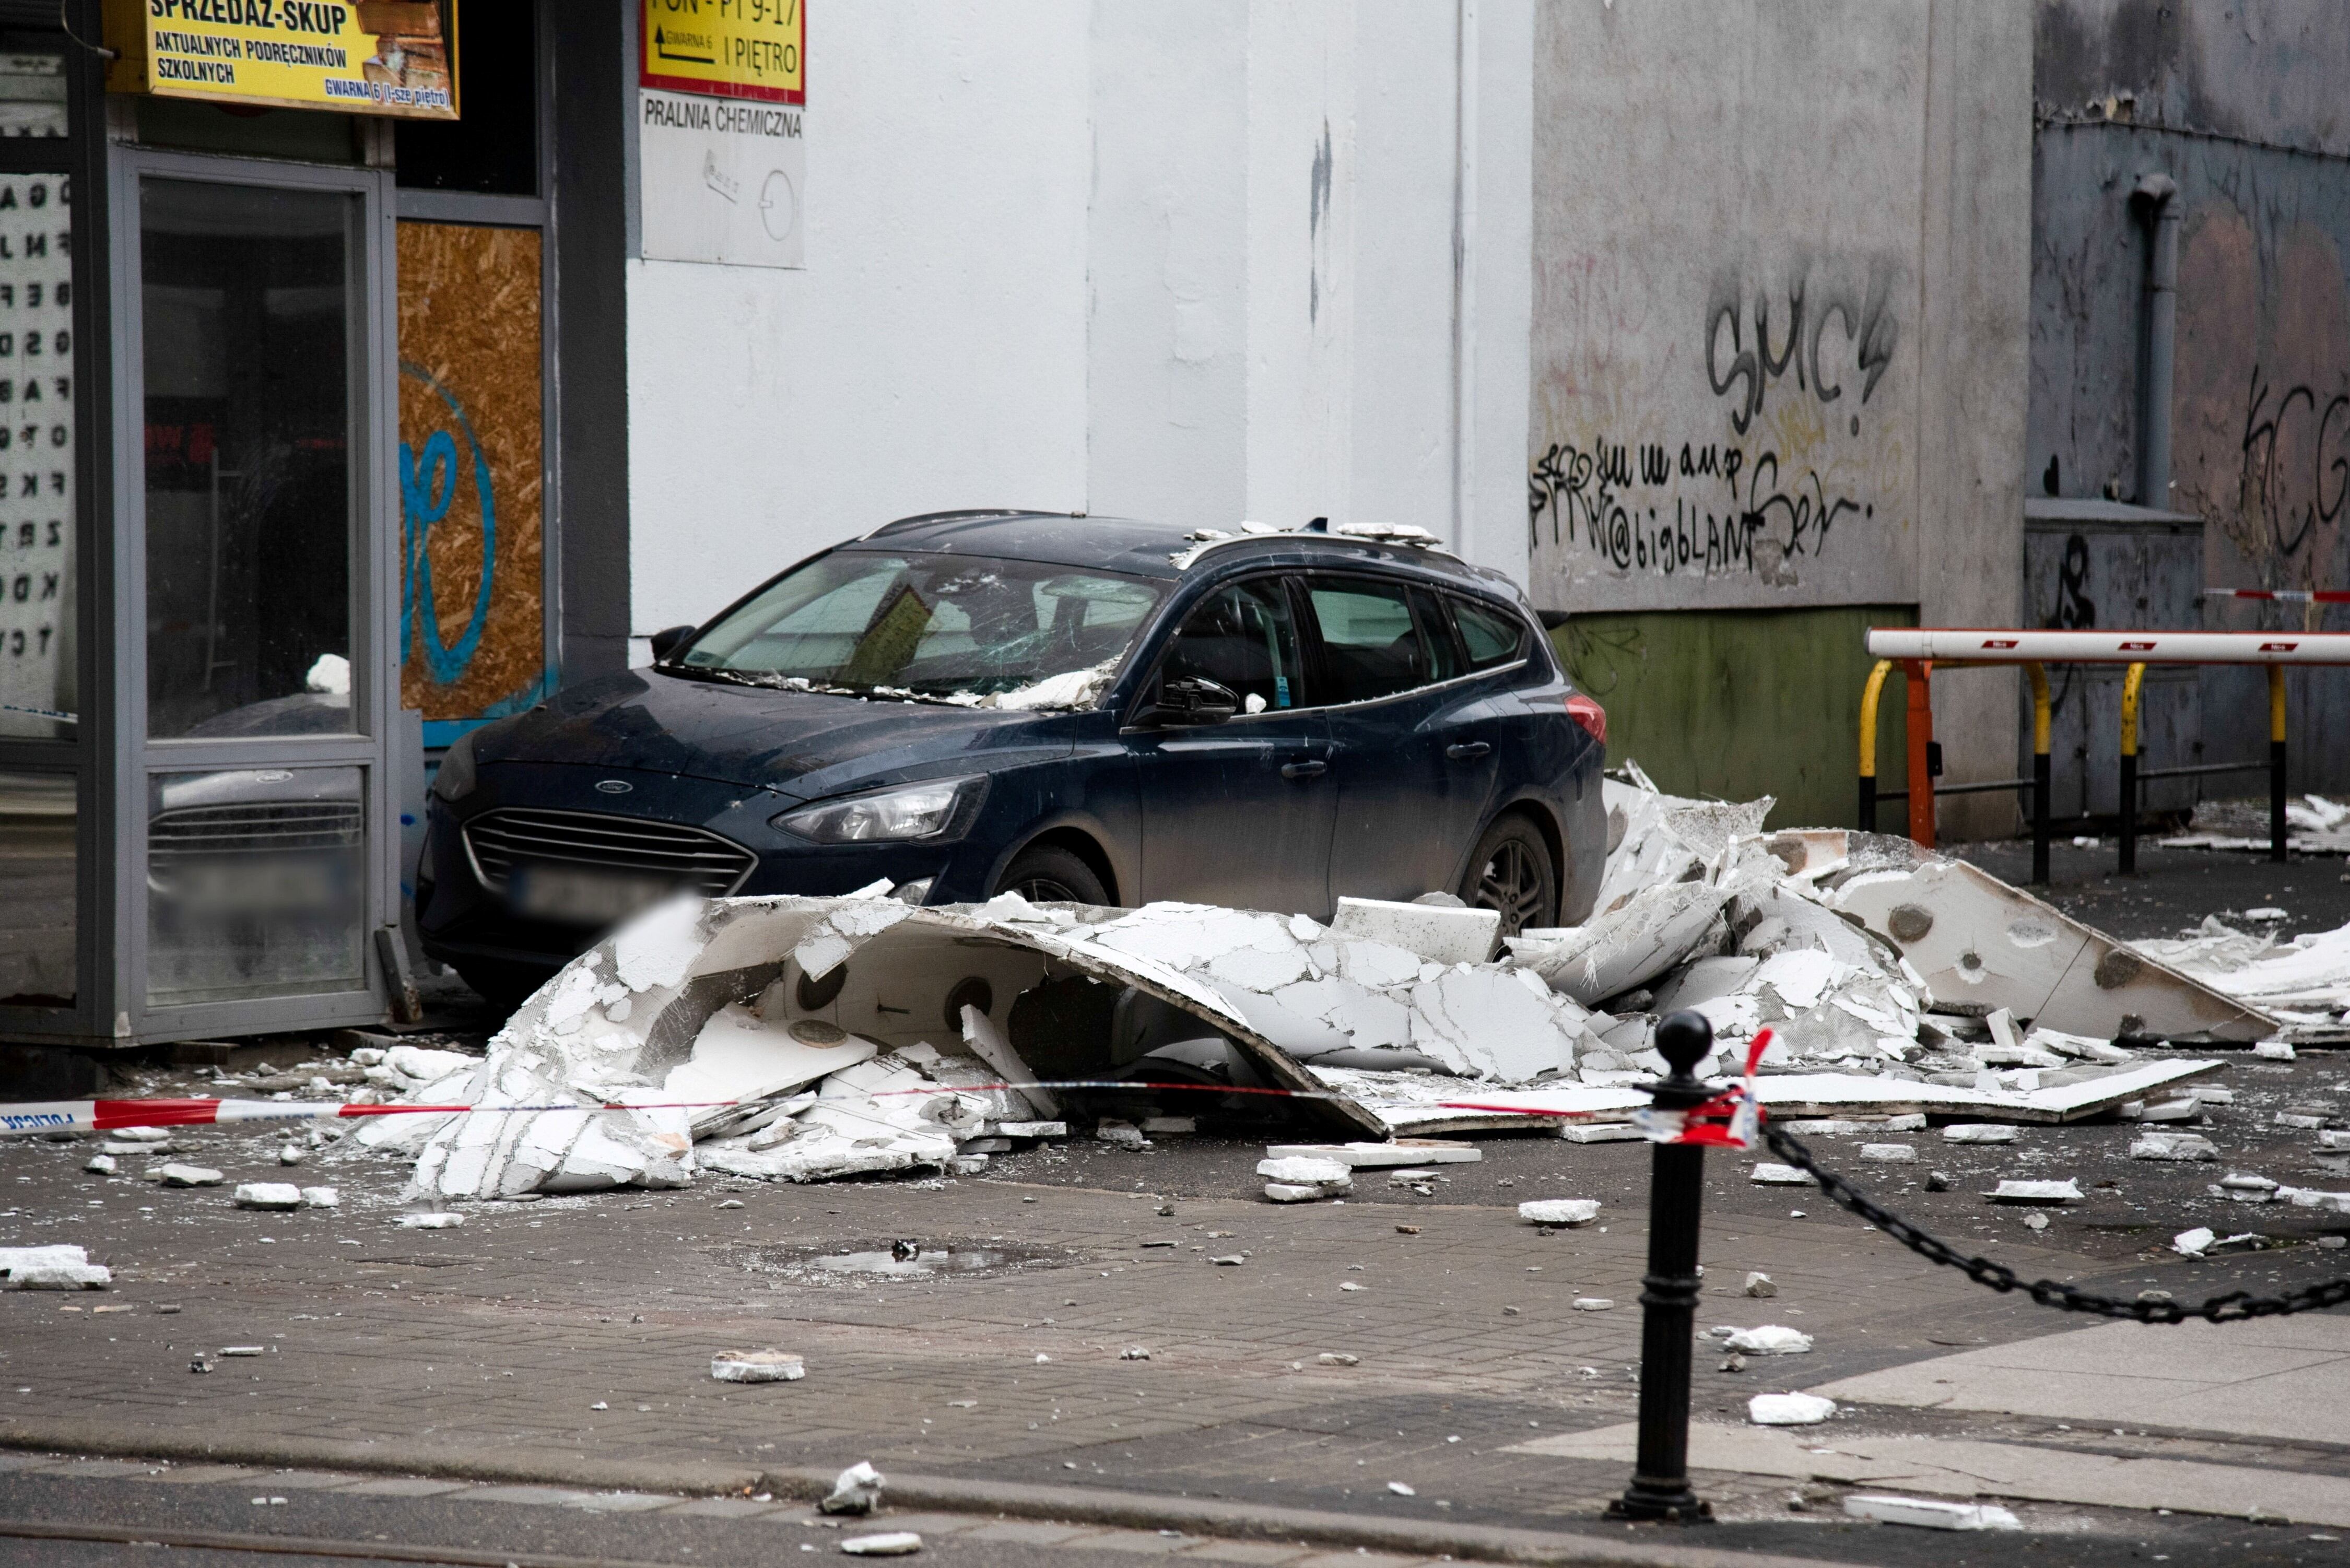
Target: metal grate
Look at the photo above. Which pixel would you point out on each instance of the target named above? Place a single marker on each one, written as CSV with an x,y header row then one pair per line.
x,y
256,827
501,838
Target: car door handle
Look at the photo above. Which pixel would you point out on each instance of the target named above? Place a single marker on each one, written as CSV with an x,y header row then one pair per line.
x,y
1306,770
1468,751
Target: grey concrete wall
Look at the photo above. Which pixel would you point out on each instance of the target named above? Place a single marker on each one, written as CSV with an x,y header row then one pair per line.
x,y
2247,107
1781,284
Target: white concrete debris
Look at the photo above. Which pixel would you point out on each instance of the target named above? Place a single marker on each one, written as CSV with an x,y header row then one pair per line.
x,y
1760,1284
1594,1303
1401,1489
1978,1132
100,1165
1301,1178
177,1175
1769,1175
1888,1153
2304,981
53,1269
863,1034
1379,1156
769,1366
435,1221
51,1256
856,1489
2065,1191
886,1543
2178,1146
267,1195
1559,1210
1789,1410
1771,1339
2194,1243
1932,1513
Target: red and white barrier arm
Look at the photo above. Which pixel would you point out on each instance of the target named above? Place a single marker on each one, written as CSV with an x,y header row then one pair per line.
x,y
1990,645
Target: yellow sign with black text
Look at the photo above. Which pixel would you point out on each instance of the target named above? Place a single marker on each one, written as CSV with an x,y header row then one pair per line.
x,y
361,57
726,48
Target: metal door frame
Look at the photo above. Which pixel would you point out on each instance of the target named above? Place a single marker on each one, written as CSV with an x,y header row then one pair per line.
x,y
375,602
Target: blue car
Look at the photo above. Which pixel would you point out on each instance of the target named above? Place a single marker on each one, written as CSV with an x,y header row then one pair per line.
x,y
1070,707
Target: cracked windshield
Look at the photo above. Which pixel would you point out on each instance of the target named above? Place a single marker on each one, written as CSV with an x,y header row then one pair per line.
x,y
947,628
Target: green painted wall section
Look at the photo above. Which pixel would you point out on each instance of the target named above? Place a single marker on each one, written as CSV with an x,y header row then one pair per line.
x,y
1740,703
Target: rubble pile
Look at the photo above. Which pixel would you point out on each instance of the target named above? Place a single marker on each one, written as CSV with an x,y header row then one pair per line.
x,y
804,1038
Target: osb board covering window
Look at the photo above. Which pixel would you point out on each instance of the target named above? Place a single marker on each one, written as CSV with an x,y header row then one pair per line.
x,y
471,629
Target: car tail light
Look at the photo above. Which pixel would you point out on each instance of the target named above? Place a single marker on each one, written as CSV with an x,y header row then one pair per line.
x,y
1590,715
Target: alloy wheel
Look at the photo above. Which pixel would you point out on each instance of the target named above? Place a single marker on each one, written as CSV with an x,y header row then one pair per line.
x,y
1513,884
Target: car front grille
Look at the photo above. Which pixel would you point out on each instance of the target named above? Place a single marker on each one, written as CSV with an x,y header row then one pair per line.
x,y
259,827
506,836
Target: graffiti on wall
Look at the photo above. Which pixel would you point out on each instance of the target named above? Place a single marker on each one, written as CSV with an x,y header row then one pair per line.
x,y
2296,462
1785,451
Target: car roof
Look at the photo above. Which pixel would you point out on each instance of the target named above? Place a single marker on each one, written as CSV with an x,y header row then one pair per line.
x,y
1163,550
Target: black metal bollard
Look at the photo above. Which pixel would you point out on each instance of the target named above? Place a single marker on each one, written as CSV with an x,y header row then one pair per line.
x,y
1660,1487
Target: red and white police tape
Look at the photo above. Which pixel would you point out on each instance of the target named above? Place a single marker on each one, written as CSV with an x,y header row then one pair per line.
x,y
1729,1118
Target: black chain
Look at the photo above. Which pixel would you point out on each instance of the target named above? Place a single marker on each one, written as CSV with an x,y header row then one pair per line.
x,y
2236,1306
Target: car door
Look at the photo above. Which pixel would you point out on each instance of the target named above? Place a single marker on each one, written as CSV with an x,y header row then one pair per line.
x,y
1412,745
1237,812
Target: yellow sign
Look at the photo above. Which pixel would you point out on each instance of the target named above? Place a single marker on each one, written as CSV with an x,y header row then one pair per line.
x,y
726,48
363,56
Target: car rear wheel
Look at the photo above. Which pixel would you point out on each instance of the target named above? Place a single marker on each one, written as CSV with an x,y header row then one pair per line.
x,y
1512,872
1048,874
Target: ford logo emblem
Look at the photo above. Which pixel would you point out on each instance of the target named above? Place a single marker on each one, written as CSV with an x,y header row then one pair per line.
x,y
613,787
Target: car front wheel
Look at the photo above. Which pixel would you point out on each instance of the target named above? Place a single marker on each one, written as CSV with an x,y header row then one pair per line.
x,y
1048,874
1512,872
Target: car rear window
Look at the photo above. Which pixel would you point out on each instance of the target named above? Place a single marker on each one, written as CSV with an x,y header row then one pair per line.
x,y
1492,636
1371,643
955,626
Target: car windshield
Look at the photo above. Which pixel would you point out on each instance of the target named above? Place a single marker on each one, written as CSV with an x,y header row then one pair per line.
x,y
956,628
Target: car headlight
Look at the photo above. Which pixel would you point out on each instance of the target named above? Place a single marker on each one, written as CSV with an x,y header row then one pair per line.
x,y
454,781
935,808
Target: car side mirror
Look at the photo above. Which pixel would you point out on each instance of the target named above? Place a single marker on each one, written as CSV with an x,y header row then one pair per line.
x,y
665,642
1195,700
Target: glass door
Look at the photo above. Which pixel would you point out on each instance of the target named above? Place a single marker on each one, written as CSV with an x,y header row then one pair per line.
x,y
257,572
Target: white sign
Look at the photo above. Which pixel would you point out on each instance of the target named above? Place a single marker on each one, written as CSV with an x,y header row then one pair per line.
x,y
721,180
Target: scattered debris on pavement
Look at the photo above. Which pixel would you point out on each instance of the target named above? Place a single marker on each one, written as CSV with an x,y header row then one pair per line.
x,y
1932,1513
769,1366
887,1543
1789,1410
855,1491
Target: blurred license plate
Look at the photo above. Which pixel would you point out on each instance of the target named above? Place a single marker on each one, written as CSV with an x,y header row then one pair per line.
x,y
572,897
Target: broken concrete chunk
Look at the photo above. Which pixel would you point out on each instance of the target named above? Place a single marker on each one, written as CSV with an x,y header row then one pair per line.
x,y
1134,1353
1121,1135
1978,1132
2174,1146
855,1491
1559,1210
1789,1410
1441,935
887,1543
1303,1170
268,1195
177,1175
1771,1339
1770,1175
100,1165
1293,1192
1888,1153
768,1365
2194,1243
1601,1132
2272,1051
436,1221
1760,1284
1594,1303
1033,1129
1380,1156
2065,1191
141,1135
1932,1513
1337,1358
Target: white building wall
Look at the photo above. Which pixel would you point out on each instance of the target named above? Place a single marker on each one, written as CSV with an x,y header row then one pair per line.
x,y
1194,263
932,353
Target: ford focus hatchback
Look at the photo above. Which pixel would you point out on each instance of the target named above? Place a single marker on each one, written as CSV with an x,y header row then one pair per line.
x,y
1071,708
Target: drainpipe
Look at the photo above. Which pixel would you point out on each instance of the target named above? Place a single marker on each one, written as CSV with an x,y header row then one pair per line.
x,y
1464,271
2156,200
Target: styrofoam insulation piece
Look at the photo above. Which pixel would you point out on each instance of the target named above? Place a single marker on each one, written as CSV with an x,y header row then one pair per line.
x,y
1978,1132
1380,1156
1789,1410
757,1367
1303,1170
1768,1173
1976,939
267,1195
2172,1145
1299,1192
2065,1191
1559,1210
61,1277
1438,934
1771,1339
51,1256
1930,1513
187,1176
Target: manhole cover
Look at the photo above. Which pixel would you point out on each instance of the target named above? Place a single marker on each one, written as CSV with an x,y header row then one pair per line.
x,y
890,1261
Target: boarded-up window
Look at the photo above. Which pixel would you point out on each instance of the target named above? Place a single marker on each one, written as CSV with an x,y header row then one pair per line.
x,y
473,632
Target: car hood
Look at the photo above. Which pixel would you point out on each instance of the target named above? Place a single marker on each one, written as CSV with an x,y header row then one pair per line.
x,y
803,744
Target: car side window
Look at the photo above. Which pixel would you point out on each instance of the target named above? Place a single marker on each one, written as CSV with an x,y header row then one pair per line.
x,y
1490,635
1372,644
1242,636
